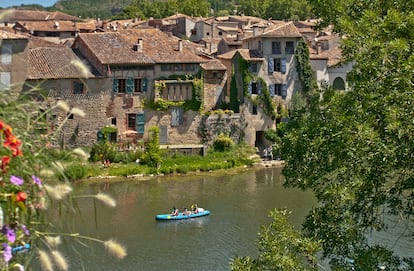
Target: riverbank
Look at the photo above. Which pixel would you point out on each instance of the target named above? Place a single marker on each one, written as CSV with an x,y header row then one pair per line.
x,y
257,163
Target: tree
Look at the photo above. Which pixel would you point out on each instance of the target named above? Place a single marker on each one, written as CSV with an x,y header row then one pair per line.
x,y
276,9
354,149
281,247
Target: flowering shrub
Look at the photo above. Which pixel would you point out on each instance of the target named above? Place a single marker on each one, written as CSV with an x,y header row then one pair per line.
x,y
23,201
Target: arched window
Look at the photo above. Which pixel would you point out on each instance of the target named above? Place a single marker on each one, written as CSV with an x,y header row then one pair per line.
x,y
339,83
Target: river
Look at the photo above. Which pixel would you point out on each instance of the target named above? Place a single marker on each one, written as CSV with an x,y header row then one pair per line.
x,y
239,204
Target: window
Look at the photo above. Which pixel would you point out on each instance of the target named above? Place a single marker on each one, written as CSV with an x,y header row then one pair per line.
x,y
178,67
78,87
137,87
290,47
339,83
113,121
177,116
119,85
132,121
165,67
279,65
140,123
276,47
254,110
253,67
220,33
5,80
278,89
208,34
254,88
6,53
189,67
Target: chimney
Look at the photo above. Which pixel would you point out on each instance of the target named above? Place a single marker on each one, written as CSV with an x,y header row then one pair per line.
x,y
318,48
255,30
180,45
138,46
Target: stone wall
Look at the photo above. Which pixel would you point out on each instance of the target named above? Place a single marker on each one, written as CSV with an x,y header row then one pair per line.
x,y
229,124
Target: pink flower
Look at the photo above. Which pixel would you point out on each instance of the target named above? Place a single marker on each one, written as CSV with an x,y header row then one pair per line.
x,y
16,180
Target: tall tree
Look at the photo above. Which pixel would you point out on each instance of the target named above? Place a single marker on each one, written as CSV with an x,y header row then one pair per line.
x,y
354,149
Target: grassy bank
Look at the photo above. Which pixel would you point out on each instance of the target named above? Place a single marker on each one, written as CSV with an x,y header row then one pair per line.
x,y
171,163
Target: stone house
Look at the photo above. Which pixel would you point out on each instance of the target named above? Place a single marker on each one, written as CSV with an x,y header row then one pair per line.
x,y
13,62
140,67
275,47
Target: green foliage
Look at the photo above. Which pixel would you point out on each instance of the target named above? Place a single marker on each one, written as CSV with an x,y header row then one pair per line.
x,y
281,247
276,9
234,100
145,9
266,100
153,154
304,69
162,105
101,151
73,172
223,143
354,149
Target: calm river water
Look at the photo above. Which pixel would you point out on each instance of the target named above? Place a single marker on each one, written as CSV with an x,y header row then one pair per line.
x,y
239,204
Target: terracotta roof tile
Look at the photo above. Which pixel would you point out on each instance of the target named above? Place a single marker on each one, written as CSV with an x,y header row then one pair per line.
x,y
9,35
284,30
213,64
48,26
334,56
35,15
157,47
53,63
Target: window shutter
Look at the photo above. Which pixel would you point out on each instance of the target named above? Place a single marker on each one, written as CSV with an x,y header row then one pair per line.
x,y
283,65
144,84
271,64
115,86
177,116
284,90
249,89
140,123
130,85
272,90
259,87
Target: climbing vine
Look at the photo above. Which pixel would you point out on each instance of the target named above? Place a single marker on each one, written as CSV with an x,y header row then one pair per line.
x,y
304,69
194,104
264,99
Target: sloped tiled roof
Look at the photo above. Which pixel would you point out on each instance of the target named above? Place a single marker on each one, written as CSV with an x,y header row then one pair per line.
x,y
245,53
233,41
288,30
34,15
214,65
157,47
54,63
8,35
48,26
333,56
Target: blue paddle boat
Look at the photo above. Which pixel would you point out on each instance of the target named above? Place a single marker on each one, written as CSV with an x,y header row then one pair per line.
x,y
183,215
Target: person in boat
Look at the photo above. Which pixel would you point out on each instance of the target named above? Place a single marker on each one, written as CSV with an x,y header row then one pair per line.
x,y
194,208
186,211
175,211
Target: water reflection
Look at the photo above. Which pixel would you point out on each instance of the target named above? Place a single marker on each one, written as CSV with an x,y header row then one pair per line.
x,y
239,204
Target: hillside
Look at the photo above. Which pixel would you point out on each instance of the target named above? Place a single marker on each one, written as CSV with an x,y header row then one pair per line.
x,y
91,8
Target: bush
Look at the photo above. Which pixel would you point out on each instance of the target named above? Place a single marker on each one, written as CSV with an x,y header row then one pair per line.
x,y
73,172
223,143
